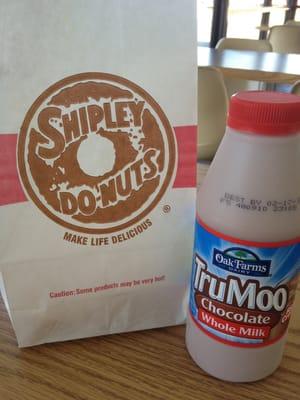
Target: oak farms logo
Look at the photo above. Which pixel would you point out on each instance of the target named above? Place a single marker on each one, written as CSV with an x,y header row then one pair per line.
x,y
241,261
96,153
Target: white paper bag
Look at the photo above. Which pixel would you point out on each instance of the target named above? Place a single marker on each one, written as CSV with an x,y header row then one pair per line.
x,y
97,158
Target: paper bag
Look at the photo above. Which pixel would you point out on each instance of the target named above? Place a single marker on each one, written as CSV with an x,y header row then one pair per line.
x,y
97,158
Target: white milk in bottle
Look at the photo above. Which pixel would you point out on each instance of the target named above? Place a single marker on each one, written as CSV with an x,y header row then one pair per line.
x,y
247,251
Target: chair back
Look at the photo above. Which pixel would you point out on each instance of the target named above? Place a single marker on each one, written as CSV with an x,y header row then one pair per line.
x,y
212,111
285,38
244,44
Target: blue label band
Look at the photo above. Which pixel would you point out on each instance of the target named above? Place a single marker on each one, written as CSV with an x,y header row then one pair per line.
x,y
242,295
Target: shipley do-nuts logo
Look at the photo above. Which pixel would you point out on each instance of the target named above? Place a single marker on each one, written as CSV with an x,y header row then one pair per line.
x,y
96,153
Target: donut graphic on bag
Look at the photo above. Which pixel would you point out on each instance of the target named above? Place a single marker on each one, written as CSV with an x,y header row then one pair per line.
x,y
96,153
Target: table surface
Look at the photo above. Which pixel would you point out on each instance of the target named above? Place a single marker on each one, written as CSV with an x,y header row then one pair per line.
x,y
252,65
145,365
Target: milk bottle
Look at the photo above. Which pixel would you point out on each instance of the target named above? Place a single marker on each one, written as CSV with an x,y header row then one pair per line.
x,y
247,251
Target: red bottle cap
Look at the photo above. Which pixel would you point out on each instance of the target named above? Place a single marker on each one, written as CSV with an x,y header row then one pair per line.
x,y
266,113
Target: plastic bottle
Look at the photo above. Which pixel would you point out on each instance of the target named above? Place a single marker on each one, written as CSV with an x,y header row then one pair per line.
x,y
247,251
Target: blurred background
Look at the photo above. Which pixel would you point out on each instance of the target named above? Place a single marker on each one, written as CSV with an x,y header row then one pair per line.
x,y
248,19
242,45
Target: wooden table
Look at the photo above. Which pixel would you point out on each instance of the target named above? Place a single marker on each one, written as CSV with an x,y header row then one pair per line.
x,y
147,365
252,65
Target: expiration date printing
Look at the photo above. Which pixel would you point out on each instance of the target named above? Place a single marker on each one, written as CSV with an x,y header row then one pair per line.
x,y
233,200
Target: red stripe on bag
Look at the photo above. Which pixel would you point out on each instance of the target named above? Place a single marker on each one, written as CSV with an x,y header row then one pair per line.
x,y
186,137
11,189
